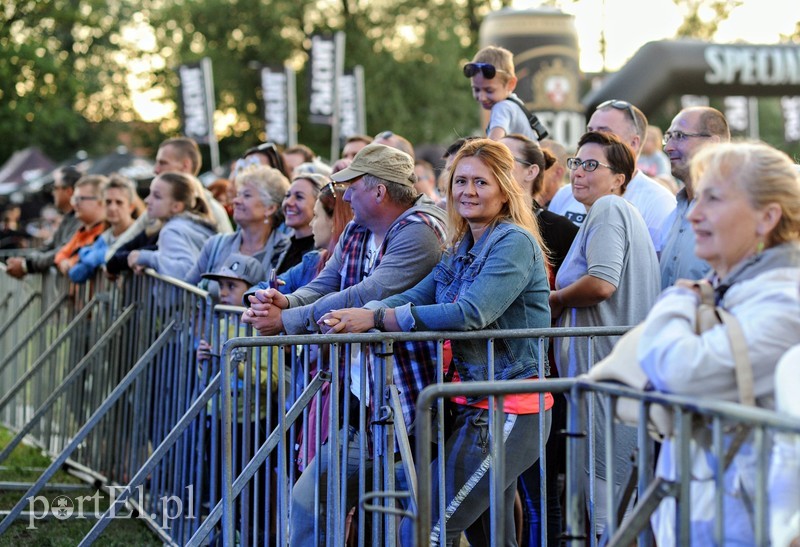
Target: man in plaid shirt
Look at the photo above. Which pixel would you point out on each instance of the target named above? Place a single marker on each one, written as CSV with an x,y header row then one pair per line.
x,y
393,242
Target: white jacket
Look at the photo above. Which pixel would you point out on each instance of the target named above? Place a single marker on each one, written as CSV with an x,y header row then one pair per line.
x,y
679,361
784,474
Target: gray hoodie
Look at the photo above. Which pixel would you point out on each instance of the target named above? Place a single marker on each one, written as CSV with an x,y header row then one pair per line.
x,y
179,245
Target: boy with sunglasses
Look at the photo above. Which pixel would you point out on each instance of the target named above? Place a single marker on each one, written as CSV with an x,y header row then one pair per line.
x,y
493,81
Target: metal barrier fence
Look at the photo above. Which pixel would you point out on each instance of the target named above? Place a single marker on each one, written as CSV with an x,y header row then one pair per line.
x,y
270,468
208,453
110,386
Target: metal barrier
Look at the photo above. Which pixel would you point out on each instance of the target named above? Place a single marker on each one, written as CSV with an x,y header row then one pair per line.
x,y
111,386
235,513
33,312
205,452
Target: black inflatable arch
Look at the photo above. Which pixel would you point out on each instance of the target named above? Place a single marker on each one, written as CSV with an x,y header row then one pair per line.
x,y
661,69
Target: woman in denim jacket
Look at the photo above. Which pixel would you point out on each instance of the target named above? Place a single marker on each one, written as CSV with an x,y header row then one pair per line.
x,y
492,276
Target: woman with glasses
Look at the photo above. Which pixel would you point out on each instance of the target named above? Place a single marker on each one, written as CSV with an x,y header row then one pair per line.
x,y
611,274
257,213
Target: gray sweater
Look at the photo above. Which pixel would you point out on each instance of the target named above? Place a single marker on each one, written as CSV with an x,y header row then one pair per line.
x,y
179,245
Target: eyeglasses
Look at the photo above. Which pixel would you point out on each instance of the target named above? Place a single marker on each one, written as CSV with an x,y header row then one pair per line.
x,y
74,200
488,70
588,165
621,105
523,162
680,136
334,187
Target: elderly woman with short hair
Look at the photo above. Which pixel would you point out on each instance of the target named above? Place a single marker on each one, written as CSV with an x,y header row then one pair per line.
x,y
746,221
257,212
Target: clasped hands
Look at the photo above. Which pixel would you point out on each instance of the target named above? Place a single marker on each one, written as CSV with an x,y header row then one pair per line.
x,y
264,313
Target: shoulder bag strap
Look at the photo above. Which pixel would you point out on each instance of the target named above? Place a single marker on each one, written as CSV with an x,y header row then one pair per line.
x,y
744,370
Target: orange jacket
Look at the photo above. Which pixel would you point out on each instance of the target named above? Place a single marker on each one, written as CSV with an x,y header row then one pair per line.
x,y
83,237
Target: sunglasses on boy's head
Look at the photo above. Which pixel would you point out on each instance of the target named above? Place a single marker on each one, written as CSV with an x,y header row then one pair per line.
x,y
488,70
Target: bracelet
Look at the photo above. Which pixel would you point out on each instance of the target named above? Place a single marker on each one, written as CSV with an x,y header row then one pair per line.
x,y
378,317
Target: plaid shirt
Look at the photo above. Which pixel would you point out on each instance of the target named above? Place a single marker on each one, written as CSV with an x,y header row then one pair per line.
x,y
415,362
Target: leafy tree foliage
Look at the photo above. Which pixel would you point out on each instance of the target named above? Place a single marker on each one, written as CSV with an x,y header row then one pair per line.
x,y
702,17
411,51
60,70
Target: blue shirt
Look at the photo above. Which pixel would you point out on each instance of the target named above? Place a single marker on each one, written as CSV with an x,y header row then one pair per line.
x,y
499,282
678,260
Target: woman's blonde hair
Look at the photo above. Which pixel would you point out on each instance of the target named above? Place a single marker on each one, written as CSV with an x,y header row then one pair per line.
x,y
271,184
765,174
497,157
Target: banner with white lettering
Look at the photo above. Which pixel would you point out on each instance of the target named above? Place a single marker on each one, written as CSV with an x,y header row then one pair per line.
x,y
350,105
322,71
276,104
737,112
791,118
197,101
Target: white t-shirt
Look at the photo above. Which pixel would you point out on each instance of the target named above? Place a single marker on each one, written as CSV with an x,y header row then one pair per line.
x,y
565,204
654,202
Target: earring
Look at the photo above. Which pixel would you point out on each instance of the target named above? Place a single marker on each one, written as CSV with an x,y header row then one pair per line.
x,y
760,247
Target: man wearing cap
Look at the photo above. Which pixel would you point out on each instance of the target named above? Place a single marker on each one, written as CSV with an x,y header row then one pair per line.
x,y
394,240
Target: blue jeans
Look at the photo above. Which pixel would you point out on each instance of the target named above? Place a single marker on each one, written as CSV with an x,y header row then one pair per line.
x,y
303,511
467,457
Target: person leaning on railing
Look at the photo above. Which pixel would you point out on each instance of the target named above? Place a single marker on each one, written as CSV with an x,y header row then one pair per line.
x,y
610,277
746,222
188,223
493,275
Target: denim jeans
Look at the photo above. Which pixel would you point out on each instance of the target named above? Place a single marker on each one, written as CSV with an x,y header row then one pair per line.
x,y
467,457
303,511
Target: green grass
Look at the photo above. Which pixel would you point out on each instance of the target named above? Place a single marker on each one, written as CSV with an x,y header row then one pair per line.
x,y
54,532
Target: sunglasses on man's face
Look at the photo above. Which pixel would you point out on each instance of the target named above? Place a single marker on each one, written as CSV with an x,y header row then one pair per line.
x,y
488,70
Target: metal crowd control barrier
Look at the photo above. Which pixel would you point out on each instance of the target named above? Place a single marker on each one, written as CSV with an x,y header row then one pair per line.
x,y
238,515
125,373
714,425
188,446
205,452
35,311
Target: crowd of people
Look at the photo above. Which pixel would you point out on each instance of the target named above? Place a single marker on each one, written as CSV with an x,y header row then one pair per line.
x,y
494,238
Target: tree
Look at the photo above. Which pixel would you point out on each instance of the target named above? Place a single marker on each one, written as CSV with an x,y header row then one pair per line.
x,y
61,69
702,17
411,51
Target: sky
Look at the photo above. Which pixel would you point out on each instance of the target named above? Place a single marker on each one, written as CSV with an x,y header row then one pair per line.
x,y
630,24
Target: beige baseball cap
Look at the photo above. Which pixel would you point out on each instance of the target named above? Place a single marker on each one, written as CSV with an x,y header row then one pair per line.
x,y
381,161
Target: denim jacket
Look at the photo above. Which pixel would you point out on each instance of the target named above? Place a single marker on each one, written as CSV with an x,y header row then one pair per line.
x,y
500,282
